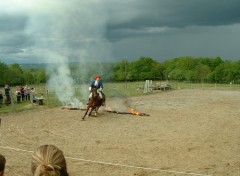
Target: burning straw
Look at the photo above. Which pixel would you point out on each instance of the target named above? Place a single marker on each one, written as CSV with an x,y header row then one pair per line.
x,y
132,111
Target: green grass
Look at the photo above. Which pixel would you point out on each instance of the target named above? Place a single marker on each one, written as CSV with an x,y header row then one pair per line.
x,y
122,89
16,107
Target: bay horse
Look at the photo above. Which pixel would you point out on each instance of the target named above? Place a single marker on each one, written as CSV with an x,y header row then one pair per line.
x,y
94,103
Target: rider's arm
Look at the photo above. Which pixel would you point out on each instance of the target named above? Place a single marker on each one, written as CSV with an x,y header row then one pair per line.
x,y
100,86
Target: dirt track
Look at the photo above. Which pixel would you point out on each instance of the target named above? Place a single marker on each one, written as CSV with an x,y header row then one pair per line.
x,y
188,131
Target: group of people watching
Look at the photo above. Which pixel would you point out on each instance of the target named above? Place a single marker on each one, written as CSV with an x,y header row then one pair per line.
x,y
47,160
22,93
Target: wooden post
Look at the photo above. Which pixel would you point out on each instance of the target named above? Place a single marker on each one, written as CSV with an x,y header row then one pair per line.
x,y
47,97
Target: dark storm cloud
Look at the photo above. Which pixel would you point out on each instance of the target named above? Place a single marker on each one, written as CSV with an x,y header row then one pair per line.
x,y
173,14
10,22
12,30
16,40
91,29
10,50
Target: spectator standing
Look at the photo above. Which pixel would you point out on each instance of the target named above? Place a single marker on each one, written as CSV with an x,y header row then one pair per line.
x,y
28,93
33,93
18,95
22,93
1,98
7,94
25,93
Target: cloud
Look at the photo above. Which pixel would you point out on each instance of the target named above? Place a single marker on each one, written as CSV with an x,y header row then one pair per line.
x,y
70,28
194,41
92,29
171,14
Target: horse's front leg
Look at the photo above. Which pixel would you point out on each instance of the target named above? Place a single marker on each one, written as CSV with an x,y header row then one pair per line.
x,y
90,112
85,113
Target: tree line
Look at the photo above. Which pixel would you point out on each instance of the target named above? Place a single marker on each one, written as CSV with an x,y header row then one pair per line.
x,y
14,74
196,70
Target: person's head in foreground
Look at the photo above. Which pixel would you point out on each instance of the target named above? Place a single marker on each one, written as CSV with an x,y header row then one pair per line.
x,y
48,160
2,164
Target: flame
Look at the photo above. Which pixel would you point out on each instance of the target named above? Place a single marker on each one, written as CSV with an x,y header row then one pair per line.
x,y
134,111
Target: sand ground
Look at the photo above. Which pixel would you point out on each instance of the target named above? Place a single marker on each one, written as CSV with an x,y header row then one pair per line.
x,y
188,132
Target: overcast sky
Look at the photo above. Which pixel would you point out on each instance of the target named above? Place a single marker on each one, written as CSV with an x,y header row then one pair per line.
x,y
109,30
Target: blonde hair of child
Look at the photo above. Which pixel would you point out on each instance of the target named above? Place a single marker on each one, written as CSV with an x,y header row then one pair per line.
x,y
48,160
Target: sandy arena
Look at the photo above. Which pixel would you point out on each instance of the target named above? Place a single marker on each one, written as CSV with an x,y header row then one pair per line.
x,y
189,132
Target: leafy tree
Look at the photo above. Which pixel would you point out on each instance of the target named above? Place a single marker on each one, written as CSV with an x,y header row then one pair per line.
x,y
237,72
29,77
3,71
190,75
14,75
215,62
145,68
158,71
180,68
219,73
202,72
177,74
121,71
229,72
41,76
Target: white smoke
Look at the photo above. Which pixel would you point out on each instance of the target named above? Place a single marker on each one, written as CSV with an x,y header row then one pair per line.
x,y
65,31
61,82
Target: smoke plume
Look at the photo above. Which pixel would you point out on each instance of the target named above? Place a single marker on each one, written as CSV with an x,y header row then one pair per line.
x,y
64,32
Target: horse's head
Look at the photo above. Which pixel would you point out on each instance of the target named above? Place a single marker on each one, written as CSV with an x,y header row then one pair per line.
x,y
94,92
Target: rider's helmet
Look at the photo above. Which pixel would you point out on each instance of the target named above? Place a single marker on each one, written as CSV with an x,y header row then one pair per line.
x,y
97,76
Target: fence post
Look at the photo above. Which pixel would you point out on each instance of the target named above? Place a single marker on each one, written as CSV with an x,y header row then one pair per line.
x,y
47,97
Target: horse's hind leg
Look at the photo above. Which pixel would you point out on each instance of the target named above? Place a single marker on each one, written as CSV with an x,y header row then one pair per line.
x,y
96,111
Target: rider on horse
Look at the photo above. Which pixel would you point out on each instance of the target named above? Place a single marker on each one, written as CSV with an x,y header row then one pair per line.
x,y
99,85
